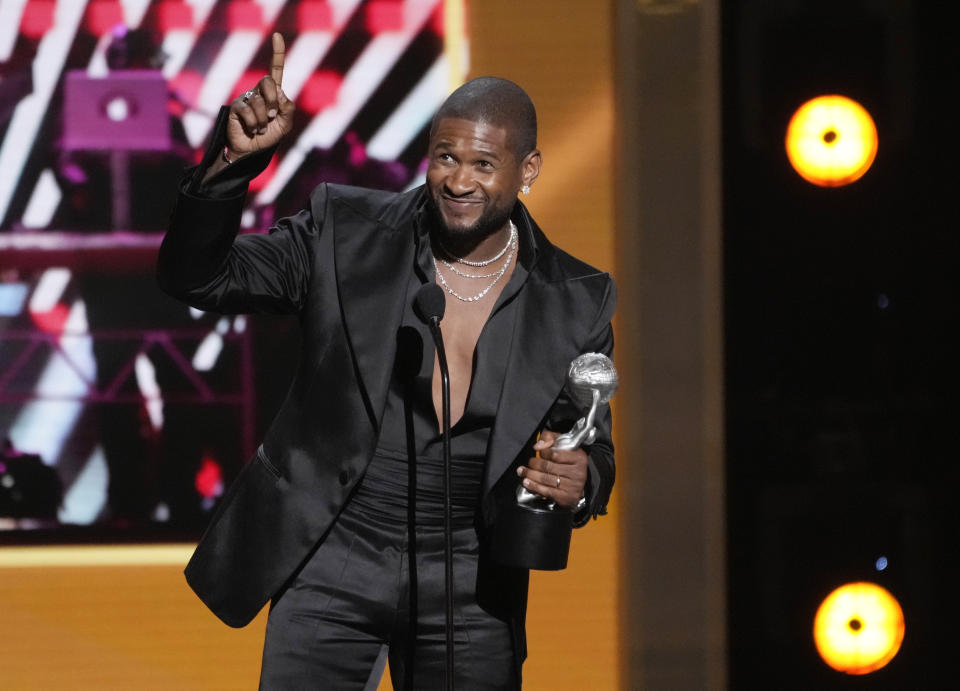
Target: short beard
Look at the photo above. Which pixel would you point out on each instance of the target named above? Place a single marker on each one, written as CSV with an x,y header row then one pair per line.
x,y
463,240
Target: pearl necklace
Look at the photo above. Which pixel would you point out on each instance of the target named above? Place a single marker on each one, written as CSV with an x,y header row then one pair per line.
x,y
511,245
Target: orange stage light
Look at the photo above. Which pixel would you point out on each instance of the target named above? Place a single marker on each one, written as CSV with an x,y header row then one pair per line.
x,y
831,141
858,628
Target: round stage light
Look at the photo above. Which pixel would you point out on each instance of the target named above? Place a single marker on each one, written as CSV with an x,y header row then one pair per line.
x,y
831,141
118,109
858,628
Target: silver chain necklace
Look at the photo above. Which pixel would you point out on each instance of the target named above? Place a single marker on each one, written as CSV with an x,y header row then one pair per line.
x,y
459,272
485,262
511,245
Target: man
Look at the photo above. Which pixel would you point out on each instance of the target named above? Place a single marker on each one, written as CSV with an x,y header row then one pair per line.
x,y
338,521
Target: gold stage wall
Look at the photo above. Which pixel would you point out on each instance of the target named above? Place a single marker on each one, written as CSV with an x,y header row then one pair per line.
x,y
562,54
79,620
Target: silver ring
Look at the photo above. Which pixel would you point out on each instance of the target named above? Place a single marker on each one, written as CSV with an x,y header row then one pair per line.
x,y
247,96
558,482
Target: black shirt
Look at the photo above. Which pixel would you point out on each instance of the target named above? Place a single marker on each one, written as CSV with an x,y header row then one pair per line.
x,y
410,446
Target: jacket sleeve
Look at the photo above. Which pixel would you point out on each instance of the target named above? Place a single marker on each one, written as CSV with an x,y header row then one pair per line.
x,y
204,263
564,414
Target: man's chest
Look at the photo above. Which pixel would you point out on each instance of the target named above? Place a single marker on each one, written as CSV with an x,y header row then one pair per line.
x,y
463,325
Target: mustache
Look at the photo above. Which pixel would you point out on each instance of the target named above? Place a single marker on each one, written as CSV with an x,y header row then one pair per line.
x,y
469,197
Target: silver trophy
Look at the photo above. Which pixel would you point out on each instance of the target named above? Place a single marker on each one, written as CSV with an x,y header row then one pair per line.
x,y
591,382
533,532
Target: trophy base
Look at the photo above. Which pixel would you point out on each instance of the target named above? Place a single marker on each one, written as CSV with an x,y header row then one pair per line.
x,y
532,538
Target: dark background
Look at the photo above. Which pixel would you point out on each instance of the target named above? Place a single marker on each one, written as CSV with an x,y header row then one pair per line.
x,y
840,318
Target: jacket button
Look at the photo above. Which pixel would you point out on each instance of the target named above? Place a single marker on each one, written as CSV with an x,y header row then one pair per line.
x,y
344,477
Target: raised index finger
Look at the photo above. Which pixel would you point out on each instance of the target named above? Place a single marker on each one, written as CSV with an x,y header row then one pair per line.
x,y
276,63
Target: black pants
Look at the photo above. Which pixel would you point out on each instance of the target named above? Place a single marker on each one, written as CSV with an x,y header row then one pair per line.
x,y
357,593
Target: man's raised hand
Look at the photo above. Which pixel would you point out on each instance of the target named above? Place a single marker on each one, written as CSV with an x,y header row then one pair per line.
x,y
263,115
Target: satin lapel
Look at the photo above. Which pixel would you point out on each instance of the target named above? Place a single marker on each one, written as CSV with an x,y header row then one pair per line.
x,y
545,339
372,263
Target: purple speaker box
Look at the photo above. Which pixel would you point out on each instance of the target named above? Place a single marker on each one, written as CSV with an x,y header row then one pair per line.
x,y
125,110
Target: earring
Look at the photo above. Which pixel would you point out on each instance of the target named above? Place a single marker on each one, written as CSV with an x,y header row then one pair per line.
x,y
525,189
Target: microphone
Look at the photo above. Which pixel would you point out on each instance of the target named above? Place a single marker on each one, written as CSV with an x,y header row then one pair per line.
x,y
430,304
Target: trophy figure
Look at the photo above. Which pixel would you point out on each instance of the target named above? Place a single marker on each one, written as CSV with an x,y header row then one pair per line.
x,y
535,533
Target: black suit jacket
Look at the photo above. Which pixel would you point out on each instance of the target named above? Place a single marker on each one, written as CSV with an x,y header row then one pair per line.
x,y
341,265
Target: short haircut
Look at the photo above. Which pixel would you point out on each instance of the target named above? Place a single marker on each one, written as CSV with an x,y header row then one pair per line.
x,y
498,102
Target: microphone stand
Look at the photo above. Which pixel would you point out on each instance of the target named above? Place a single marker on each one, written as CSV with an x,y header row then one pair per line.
x,y
447,485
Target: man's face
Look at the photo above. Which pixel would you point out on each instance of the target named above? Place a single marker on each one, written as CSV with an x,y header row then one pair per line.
x,y
473,177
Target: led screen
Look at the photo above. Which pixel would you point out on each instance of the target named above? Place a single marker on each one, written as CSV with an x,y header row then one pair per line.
x,y
122,411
